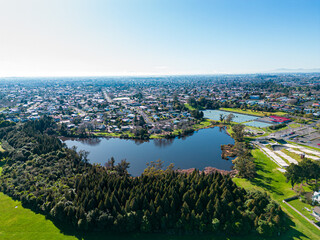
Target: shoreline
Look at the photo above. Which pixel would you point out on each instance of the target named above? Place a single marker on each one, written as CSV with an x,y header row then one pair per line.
x,y
209,170
64,138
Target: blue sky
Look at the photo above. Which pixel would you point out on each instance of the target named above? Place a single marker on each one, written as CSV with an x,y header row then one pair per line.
x,y
133,37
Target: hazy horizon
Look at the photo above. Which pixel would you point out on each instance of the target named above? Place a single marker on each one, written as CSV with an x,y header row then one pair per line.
x,y
153,37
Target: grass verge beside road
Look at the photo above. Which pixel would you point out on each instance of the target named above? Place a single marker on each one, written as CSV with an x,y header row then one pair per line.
x,y
300,206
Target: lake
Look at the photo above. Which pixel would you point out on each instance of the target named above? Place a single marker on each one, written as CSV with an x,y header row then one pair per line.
x,y
238,117
200,150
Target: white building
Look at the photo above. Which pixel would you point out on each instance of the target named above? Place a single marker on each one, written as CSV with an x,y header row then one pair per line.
x,y
316,197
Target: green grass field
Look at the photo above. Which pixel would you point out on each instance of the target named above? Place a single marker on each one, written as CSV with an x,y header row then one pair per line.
x,y
252,112
271,180
203,124
299,205
291,154
21,223
306,146
294,125
1,149
189,107
107,134
17,222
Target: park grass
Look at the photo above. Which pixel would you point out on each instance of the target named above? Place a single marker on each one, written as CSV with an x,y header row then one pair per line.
x,y
189,107
272,181
269,178
291,154
266,130
311,154
299,205
269,146
21,223
1,149
252,112
306,146
205,123
294,125
107,134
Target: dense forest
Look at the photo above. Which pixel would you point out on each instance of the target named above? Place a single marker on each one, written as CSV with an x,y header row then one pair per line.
x,y
60,183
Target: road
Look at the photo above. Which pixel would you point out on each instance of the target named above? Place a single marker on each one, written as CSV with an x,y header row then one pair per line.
x,y
145,117
106,96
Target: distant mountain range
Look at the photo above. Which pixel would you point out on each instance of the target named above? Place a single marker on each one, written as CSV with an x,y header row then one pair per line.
x,y
297,70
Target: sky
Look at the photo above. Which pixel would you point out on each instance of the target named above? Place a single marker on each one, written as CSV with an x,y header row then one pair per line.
x,y
157,37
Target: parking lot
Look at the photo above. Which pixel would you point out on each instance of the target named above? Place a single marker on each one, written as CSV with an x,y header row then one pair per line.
x,y
306,135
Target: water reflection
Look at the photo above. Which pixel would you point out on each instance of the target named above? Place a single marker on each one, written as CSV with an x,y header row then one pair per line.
x,y
86,141
163,142
202,149
222,128
139,141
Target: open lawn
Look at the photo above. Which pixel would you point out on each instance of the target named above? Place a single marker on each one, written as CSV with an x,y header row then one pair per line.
x,y
107,134
271,180
189,107
306,146
300,206
291,154
203,124
17,222
294,125
252,112
20,223
1,149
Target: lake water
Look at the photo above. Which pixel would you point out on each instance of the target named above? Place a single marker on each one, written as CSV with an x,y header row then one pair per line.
x,y
258,124
239,118
202,149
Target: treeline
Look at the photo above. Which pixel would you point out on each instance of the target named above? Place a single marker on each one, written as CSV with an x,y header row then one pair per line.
x,y
204,103
306,170
244,163
6,123
278,126
60,183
